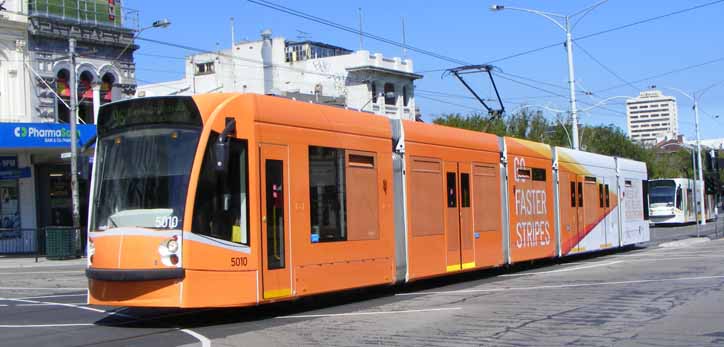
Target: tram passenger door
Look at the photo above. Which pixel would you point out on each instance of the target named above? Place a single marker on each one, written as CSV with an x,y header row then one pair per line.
x,y
459,231
276,273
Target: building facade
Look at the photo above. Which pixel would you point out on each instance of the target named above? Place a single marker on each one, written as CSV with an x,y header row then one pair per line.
x,y
652,117
308,71
34,98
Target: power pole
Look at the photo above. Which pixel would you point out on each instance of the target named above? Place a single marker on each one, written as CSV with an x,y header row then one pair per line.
x,y
572,84
702,194
74,136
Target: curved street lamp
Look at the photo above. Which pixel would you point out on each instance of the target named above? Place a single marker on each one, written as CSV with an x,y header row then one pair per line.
x,y
568,135
564,23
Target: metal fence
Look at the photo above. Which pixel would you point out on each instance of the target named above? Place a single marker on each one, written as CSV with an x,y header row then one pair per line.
x,y
95,12
34,242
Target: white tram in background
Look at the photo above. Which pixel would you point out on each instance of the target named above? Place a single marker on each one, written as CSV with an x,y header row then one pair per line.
x,y
671,201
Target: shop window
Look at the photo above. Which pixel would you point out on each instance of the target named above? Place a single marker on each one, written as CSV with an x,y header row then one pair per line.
x,y
426,197
221,209
327,196
9,206
390,97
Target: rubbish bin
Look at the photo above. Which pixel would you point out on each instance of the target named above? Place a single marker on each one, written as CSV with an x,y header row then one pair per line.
x,y
62,243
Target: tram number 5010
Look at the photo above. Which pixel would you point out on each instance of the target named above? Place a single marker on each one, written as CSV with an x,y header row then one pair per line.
x,y
238,261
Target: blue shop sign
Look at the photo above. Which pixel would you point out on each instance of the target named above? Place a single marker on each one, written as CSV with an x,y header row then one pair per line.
x,y
13,174
42,135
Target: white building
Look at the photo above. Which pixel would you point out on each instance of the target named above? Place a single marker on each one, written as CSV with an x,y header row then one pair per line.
x,y
652,117
309,71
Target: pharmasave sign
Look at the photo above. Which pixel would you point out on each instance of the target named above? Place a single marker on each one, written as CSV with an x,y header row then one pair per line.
x,y
41,135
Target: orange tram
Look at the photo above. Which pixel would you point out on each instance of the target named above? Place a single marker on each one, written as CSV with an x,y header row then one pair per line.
x,y
227,200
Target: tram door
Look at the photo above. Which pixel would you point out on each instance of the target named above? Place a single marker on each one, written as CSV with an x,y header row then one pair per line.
x,y
275,231
459,227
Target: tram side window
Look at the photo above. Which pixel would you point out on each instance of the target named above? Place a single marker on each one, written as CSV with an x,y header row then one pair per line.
x,y
608,197
327,195
600,195
679,197
573,194
221,208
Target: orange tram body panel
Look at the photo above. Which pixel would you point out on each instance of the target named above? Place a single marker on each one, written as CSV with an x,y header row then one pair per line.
x,y
226,200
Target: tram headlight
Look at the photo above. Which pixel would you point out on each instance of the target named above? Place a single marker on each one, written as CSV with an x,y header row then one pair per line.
x,y
172,245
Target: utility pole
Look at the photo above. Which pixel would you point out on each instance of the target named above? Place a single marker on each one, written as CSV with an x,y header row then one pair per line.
x,y
74,136
701,187
572,84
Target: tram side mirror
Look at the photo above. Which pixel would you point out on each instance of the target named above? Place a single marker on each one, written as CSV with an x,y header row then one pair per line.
x,y
221,155
221,147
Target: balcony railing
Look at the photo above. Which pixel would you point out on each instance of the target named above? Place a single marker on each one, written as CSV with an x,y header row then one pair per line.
x,y
89,12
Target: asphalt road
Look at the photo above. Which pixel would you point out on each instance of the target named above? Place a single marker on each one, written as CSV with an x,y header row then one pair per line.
x,y
667,293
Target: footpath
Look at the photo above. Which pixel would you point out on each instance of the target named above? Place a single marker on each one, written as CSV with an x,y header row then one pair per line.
x,y
28,262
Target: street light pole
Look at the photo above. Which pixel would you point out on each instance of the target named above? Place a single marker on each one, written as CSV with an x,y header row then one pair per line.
x,y
74,136
566,26
702,194
572,84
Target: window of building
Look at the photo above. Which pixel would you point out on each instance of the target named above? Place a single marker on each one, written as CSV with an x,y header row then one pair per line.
x,y
405,96
221,209
390,97
205,68
373,89
327,195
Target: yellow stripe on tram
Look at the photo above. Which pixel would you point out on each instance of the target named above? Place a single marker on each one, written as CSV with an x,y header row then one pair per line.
x,y
277,293
455,267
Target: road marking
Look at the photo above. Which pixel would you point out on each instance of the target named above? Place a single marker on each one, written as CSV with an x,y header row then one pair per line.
x,y
50,304
52,296
204,341
492,290
368,313
574,268
3,305
36,288
42,272
48,325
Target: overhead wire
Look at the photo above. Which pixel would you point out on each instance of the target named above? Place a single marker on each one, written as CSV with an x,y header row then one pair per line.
x,y
609,70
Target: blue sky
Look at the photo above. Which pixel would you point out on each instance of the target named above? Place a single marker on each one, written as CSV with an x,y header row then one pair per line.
x,y
468,31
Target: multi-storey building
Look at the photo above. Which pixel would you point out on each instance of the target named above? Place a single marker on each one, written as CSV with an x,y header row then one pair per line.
x,y
652,117
307,70
34,98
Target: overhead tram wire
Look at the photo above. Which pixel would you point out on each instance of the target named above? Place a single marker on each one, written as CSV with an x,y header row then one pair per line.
x,y
670,72
559,95
609,70
586,36
290,11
